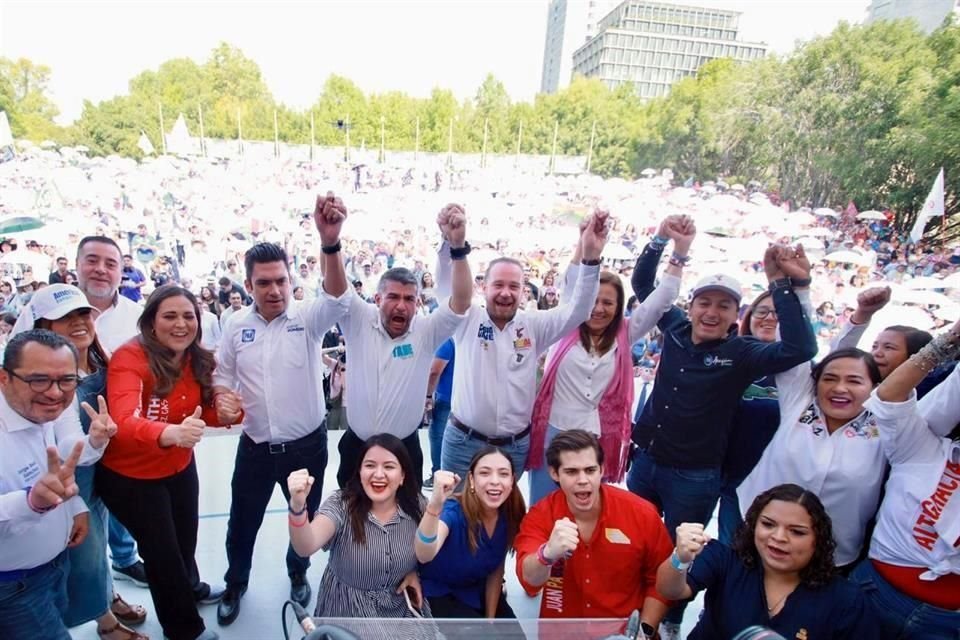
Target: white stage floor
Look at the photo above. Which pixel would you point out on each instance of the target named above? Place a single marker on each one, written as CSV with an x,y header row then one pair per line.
x,y
259,617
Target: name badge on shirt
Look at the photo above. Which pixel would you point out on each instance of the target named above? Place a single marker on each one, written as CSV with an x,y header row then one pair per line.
x,y
403,351
29,473
247,335
616,536
522,344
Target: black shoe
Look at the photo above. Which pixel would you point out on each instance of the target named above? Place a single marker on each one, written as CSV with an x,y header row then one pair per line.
x,y
428,483
299,589
135,573
229,605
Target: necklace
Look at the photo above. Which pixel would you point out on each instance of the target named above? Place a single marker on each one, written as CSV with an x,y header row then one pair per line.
x,y
778,602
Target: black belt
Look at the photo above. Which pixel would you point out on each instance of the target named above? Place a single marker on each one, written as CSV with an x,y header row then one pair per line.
x,y
497,442
279,448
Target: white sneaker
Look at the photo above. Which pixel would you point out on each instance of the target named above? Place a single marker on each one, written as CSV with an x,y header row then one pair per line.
x,y
669,631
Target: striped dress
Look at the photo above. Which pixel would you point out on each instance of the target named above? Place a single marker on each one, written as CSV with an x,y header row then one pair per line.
x,y
360,581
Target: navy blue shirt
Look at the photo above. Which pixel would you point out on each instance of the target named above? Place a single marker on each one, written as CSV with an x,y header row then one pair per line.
x,y
456,570
687,420
447,352
735,600
754,425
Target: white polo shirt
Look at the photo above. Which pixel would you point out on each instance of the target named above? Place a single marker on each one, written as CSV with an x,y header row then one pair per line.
x,y
277,369
940,407
387,377
495,380
845,469
919,520
118,324
29,539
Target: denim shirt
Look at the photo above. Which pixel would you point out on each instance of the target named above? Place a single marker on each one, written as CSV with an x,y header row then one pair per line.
x,y
687,420
87,391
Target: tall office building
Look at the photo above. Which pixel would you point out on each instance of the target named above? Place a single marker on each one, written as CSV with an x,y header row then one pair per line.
x,y
928,13
569,24
653,44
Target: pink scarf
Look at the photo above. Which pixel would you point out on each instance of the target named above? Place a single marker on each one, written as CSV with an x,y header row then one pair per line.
x,y
614,407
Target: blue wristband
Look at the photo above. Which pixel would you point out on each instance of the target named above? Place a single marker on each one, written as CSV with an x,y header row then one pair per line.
x,y
675,562
660,241
424,539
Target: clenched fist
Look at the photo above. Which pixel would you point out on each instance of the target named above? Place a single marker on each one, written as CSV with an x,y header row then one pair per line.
x,y
299,483
563,540
691,539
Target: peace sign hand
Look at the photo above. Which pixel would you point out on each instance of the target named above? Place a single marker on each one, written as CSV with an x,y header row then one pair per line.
x,y
102,426
58,484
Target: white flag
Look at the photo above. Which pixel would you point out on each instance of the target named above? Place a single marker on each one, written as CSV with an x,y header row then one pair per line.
x,y
6,136
931,208
145,145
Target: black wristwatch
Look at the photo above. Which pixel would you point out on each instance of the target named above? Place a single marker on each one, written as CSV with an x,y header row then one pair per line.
x,y
648,631
459,253
591,263
780,283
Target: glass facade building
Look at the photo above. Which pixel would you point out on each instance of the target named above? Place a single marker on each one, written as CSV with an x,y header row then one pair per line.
x,y
651,45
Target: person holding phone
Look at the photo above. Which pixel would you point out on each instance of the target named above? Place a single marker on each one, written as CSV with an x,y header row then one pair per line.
x,y
368,527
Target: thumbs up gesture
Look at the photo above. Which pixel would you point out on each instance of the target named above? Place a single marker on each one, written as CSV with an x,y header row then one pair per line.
x,y
186,434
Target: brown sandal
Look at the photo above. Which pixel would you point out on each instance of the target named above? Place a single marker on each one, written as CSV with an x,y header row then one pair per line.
x,y
126,612
129,634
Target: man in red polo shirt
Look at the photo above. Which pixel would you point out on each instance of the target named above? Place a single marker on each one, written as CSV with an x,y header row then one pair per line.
x,y
594,549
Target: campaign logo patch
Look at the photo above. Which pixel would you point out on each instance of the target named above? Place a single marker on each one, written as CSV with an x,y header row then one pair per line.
x,y
403,351
247,335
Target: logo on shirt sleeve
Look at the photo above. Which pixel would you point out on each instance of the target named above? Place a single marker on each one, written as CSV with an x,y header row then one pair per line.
x,y
247,335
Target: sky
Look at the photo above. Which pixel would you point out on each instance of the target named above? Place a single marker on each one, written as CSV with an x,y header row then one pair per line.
x,y
95,48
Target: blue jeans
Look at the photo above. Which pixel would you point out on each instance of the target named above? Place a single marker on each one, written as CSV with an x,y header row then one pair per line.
x,y
728,518
682,495
89,584
541,484
123,548
459,448
255,473
31,608
438,423
899,615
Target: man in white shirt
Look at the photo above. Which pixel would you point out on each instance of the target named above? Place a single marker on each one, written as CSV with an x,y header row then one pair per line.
x,y
271,355
498,348
40,513
99,271
236,303
391,350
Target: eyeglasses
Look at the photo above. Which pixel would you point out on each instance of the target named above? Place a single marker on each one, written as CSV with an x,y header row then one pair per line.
x,y
43,384
762,312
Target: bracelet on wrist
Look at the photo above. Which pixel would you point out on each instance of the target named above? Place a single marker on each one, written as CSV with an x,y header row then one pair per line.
x,y
435,514
779,283
659,240
460,253
675,562
426,539
332,249
542,556
296,524
679,258
296,513
800,282
34,507
591,263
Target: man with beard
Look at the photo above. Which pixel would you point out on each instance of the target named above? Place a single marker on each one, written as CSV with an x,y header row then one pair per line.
x,y
391,351
498,348
270,363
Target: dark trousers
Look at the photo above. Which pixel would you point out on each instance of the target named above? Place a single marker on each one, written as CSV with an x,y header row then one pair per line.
x,y
255,473
349,449
438,422
450,607
162,516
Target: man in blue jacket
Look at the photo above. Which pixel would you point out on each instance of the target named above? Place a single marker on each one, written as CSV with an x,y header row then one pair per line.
x,y
682,433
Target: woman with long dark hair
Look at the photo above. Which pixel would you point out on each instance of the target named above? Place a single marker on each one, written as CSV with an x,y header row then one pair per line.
x,y
462,541
160,392
778,574
368,528
588,379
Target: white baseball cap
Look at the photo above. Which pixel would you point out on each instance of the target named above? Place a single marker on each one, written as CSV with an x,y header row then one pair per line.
x,y
719,282
51,303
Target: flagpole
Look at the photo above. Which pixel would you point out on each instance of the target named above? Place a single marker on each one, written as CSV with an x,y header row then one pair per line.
x,y
163,133
516,162
346,144
553,153
203,144
593,135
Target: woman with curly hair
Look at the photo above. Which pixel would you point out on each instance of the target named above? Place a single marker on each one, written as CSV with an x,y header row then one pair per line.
x,y
160,394
779,574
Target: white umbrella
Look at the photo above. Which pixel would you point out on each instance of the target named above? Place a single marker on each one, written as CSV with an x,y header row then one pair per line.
x,y
39,263
920,296
952,281
825,211
648,172
847,257
736,187
894,315
871,215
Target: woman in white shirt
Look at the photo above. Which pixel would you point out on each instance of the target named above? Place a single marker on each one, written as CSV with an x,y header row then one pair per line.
x,y
827,443
912,576
588,379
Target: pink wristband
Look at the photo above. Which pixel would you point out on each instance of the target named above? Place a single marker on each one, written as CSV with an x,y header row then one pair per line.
x,y
542,556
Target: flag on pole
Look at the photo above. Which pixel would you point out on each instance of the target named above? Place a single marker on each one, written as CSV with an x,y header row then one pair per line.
x,y
6,136
932,208
145,145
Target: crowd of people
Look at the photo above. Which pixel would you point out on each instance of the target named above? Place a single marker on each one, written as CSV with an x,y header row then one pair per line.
x,y
634,409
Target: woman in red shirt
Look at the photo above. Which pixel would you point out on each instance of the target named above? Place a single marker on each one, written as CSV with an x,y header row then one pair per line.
x,y
160,392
